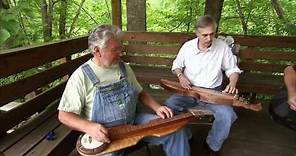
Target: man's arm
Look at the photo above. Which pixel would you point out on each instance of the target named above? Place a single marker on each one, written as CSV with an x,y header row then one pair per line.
x,y
162,111
185,83
290,82
75,122
231,87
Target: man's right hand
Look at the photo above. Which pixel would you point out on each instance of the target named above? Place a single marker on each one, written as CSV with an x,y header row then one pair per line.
x,y
99,132
185,83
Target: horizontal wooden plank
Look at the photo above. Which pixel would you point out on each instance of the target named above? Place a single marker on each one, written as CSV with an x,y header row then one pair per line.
x,y
272,55
140,48
20,88
246,40
63,144
16,60
158,36
10,139
32,139
148,60
249,65
266,41
13,117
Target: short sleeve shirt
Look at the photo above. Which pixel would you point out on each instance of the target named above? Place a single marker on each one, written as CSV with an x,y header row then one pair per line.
x,y
79,93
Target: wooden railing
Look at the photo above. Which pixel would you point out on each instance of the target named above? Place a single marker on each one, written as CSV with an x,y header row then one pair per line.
x,y
150,54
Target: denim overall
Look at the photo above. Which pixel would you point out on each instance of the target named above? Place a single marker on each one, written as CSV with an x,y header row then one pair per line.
x,y
114,103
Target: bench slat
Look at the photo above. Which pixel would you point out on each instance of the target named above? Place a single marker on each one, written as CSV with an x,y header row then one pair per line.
x,y
273,55
140,48
11,91
148,60
33,138
46,147
250,65
20,59
37,104
10,139
157,37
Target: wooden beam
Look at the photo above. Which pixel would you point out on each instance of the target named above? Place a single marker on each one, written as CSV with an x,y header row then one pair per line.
x,y
116,13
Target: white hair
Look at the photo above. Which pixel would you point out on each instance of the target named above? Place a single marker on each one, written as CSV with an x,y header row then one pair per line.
x,y
101,35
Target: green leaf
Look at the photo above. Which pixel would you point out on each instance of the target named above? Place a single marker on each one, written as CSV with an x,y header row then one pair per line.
x,y
12,26
4,35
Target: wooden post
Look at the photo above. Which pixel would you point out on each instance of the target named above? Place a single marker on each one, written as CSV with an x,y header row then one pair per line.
x,y
116,13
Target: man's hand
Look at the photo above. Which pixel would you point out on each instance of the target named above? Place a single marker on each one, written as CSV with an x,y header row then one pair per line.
x,y
164,112
230,89
185,83
99,132
292,102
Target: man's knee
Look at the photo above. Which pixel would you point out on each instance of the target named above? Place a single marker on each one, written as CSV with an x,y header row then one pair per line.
x,y
225,114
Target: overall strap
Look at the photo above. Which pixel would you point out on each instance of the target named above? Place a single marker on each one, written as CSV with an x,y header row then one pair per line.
x,y
90,73
122,68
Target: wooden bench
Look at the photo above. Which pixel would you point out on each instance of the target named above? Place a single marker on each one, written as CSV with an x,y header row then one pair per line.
x,y
49,64
150,55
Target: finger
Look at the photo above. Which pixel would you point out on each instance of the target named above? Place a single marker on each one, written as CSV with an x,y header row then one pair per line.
x,y
293,107
166,112
232,90
160,114
104,130
104,138
226,89
170,112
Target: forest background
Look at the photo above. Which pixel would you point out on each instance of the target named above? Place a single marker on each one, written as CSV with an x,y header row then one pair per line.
x,y
26,22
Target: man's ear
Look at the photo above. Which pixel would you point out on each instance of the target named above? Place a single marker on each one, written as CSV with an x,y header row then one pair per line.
x,y
97,51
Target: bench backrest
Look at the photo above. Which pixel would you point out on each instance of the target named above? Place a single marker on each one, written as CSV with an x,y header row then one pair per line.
x,y
48,65
262,59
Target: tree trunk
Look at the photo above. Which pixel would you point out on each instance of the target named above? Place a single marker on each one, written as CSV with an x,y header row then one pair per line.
x,y
4,4
214,9
291,28
136,15
62,20
47,15
242,17
116,13
76,17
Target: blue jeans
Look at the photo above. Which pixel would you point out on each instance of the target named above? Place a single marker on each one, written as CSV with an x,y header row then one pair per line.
x,y
175,144
223,114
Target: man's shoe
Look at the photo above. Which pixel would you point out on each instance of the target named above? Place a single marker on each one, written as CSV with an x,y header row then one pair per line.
x,y
210,151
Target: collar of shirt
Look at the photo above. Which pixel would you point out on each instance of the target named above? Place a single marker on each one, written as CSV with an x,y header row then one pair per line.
x,y
199,51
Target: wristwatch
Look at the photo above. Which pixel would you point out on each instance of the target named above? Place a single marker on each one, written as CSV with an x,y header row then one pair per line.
x,y
178,75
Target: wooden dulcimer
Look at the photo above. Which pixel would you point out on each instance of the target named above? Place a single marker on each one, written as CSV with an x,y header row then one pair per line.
x,y
128,135
210,96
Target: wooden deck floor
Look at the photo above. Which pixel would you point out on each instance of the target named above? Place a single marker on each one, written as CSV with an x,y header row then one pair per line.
x,y
253,134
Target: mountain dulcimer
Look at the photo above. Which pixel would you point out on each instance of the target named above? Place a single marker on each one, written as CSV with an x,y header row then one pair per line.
x,y
210,96
128,135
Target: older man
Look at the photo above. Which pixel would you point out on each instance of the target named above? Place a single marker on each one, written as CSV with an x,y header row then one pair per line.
x,y
103,92
200,63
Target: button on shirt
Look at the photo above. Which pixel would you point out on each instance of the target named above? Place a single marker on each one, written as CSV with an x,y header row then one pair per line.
x,y
204,69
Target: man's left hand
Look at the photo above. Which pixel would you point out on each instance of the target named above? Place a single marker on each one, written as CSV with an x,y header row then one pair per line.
x,y
164,112
292,103
230,89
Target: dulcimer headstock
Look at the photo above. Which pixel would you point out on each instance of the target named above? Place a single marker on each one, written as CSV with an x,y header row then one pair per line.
x,y
243,102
